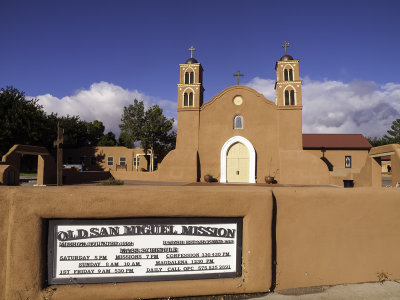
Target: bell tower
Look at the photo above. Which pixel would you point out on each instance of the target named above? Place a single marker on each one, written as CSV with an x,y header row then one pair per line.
x,y
289,101
190,100
190,88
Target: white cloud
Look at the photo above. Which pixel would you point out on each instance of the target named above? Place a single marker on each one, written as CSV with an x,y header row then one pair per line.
x,y
103,101
336,107
328,106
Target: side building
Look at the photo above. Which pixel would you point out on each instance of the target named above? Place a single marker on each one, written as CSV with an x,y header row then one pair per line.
x,y
107,158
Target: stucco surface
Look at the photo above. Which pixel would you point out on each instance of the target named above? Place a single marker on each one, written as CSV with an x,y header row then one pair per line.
x,y
333,236
25,261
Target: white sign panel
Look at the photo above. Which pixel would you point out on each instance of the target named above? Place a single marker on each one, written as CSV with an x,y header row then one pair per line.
x,y
95,251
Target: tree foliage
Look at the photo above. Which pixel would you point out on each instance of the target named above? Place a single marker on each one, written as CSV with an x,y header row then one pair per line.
x,y
393,134
151,128
95,131
24,121
107,140
132,124
156,131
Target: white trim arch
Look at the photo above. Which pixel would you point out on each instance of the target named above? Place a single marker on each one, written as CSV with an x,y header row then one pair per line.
x,y
183,97
252,153
289,88
288,67
194,75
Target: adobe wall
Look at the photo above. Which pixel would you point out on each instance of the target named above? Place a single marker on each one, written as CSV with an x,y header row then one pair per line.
x,y
337,157
331,236
260,127
23,236
324,236
300,167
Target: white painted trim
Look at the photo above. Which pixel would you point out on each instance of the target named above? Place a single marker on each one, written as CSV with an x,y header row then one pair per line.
x,y
252,153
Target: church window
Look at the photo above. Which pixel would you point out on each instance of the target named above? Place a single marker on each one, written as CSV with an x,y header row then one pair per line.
x,y
288,74
289,97
191,99
188,99
189,77
238,122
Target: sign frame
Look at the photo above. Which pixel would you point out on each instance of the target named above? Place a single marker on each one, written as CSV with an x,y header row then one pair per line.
x,y
52,248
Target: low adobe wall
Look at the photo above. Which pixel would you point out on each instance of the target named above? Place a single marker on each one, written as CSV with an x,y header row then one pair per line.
x,y
334,236
23,239
316,236
73,176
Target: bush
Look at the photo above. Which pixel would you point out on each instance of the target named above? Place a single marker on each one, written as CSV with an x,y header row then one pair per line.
x,y
111,181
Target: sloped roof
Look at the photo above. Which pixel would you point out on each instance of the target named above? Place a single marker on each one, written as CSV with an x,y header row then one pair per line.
x,y
335,141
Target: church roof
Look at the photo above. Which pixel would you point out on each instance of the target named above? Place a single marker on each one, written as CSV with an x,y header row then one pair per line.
x,y
335,141
191,61
286,57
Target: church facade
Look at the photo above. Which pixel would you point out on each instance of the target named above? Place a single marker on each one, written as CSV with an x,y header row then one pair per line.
x,y
239,135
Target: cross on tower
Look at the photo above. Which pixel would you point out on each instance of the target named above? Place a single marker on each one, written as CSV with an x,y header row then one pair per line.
x,y
238,75
191,49
285,45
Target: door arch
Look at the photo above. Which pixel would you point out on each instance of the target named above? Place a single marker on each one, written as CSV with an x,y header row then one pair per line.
x,y
251,158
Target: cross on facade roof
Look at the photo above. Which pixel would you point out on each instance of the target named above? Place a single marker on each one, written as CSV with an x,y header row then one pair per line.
x,y
191,49
238,75
285,45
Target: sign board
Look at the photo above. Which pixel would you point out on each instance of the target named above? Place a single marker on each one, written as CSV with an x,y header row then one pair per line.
x,y
143,249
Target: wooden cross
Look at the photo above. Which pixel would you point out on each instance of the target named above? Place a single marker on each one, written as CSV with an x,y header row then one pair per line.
x,y
285,45
59,144
191,49
238,75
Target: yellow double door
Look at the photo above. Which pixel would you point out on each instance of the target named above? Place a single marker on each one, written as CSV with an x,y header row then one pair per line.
x,y
237,163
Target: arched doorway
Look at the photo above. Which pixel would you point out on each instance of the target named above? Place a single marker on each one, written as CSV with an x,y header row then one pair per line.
x,y
238,161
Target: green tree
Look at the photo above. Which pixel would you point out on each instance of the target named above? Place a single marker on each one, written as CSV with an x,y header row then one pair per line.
x,y
375,141
133,118
157,133
95,131
75,131
150,127
393,134
107,140
22,121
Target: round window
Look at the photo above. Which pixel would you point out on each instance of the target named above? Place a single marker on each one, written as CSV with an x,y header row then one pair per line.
x,y
238,100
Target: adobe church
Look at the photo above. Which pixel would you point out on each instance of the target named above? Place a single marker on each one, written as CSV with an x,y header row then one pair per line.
x,y
241,136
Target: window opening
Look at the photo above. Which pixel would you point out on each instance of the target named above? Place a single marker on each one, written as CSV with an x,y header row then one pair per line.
x,y
347,161
292,97
122,161
191,99
110,161
238,122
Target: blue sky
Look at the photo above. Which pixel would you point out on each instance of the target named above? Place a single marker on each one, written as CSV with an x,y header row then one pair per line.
x,y
70,53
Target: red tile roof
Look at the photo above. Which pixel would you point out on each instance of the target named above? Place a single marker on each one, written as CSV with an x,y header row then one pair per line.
x,y
335,141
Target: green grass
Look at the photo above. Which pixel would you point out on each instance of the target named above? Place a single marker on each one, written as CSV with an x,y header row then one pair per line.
x,y
28,174
111,181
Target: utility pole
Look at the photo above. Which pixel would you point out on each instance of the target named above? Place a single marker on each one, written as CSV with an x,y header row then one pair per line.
x,y
59,144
